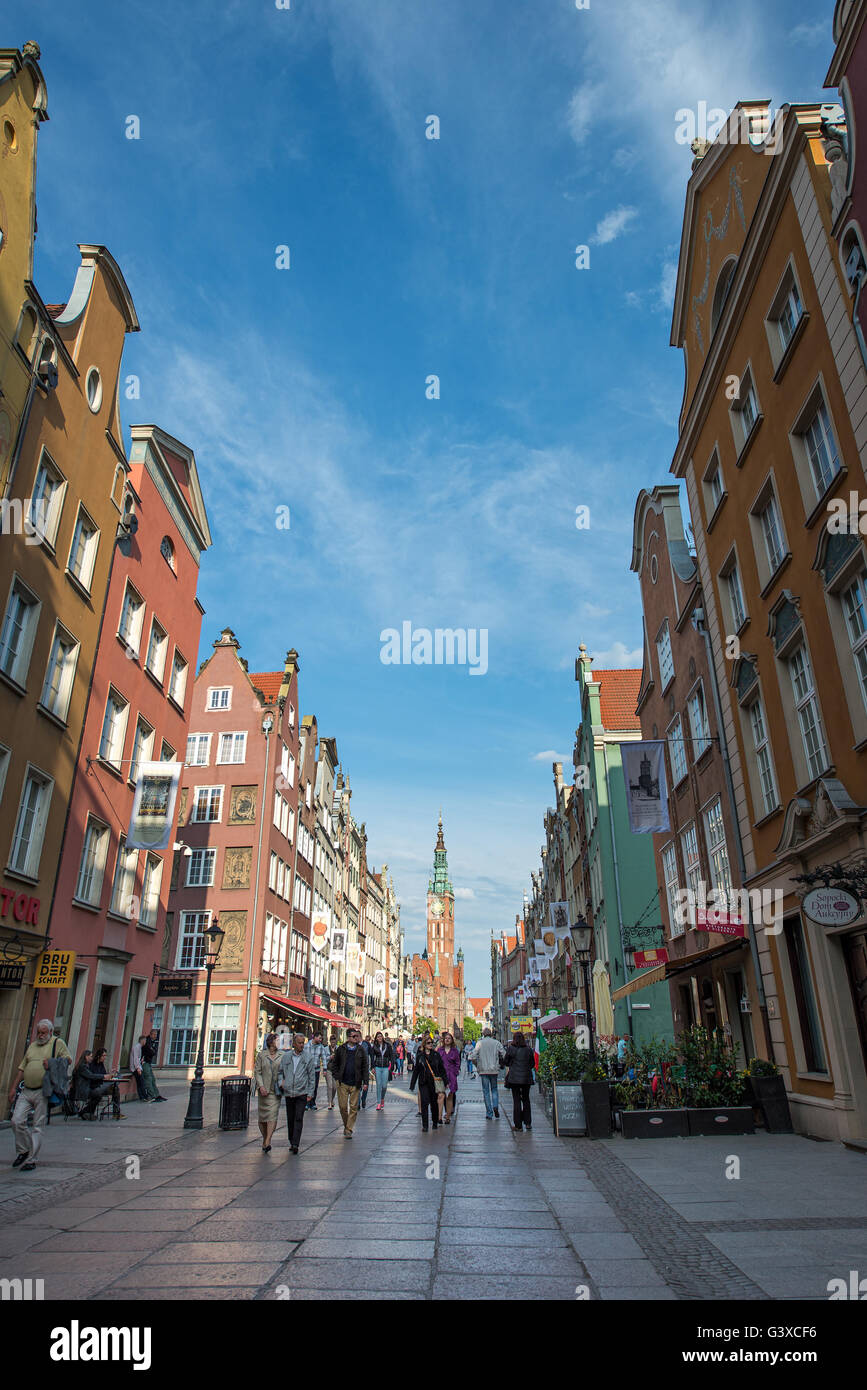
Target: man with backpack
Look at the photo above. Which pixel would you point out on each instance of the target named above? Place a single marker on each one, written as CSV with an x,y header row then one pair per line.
x,y
43,1071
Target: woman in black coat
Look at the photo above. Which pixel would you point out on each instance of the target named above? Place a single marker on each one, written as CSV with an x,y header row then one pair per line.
x,y
428,1067
521,1063
91,1085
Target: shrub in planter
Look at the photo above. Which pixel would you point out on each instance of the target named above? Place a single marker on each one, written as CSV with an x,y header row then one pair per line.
x,y
769,1094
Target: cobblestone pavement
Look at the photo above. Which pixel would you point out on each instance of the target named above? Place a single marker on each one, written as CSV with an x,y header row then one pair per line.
x,y
474,1206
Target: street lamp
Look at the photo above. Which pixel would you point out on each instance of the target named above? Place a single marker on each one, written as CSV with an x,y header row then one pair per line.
x,y
581,935
193,1117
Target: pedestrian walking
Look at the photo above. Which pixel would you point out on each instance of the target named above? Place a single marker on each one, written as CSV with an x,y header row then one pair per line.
x,y
266,1070
451,1059
382,1061
39,1072
488,1057
320,1054
149,1050
363,1099
398,1057
330,1083
430,1076
351,1070
135,1061
295,1085
521,1062
468,1057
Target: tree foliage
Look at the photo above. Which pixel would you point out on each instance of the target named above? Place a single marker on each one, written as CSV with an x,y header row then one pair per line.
x,y
472,1030
424,1025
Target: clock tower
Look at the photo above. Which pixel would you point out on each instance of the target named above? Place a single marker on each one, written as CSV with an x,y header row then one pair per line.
x,y
441,908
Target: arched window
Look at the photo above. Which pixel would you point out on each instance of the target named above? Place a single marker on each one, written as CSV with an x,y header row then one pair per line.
x,y
167,550
721,293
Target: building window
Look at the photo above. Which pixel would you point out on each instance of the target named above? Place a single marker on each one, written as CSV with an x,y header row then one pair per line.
x,y
220,697
200,868
821,449
131,617
167,752
184,1035
19,629
114,729
223,1035
46,501
267,945
698,722
167,550
198,750
718,855
666,659
93,390
788,313
150,892
91,870
158,643
300,945
672,888
178,686
855,610
191,941
807,706
715,486
745,411
736,598
142,748
123,887
5,757
60,675
763,756
721,292
772,533
281,947
233,748
692,865
82,553
805,998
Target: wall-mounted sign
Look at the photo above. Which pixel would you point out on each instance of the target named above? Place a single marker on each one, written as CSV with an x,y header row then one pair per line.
x,y
831,907
24,908
645,960
54,970
11,974
716,919
176,989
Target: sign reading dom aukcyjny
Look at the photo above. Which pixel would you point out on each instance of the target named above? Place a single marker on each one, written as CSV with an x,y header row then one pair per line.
x,y
831,907
54,970
153,808
646,789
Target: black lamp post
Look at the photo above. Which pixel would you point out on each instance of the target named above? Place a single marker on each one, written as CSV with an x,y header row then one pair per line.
x,y
581,933
193,1117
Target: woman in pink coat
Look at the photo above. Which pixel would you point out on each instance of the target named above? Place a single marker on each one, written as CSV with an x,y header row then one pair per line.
x,y
451,1060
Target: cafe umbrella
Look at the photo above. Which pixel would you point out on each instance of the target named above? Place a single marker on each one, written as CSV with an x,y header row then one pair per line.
x,y
602,999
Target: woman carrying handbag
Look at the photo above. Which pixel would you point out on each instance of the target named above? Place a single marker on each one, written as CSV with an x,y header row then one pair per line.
x,y
521,1063
430,1075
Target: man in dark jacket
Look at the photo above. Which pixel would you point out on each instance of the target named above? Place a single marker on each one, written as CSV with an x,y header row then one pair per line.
x,y
351,1070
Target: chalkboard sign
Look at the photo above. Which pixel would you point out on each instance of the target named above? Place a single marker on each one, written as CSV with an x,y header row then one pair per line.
x,y
569,1117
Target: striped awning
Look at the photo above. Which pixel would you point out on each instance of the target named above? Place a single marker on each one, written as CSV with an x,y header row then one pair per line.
x,y
647,977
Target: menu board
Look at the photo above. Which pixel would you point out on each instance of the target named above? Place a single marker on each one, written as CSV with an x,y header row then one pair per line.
x,y
569,1117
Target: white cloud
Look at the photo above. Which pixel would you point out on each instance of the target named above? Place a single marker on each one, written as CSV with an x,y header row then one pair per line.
x,y
465,893
618,658
811,33
667,284
594,610
612,225
584,104
550,755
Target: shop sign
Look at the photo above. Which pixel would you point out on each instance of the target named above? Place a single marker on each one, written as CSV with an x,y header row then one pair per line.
x,y
12,974
25,909
54,970
831,907
715,919
645,960
176,989
522,1023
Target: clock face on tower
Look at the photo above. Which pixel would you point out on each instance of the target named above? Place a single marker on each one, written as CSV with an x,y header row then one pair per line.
x,y
436,907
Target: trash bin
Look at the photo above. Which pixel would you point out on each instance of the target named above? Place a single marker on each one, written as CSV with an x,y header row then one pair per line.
x,y
235,1102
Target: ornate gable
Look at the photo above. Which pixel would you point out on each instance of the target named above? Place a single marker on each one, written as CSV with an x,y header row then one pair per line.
x,y
812,819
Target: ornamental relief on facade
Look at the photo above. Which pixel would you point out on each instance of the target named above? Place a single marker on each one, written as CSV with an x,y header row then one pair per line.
x,y
182,805
236,867
242,806
234,924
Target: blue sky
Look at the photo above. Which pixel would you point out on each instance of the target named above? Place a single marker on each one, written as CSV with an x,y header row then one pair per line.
x,y
408,257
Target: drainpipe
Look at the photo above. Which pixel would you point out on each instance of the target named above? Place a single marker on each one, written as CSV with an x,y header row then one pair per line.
x,y
701,627
267,726
616,881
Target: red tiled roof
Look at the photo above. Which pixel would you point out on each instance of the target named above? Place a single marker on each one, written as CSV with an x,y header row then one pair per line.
x,y
268,682
55,310
618,696
479,1005
511,943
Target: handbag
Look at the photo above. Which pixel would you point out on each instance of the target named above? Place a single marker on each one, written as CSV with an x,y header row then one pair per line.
x,y
439,1084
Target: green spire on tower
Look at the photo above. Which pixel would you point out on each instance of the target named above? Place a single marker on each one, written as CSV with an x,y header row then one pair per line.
x,y
439,880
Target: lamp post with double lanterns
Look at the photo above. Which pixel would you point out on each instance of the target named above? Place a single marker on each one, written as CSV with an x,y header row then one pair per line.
x,y
193,1118
581,935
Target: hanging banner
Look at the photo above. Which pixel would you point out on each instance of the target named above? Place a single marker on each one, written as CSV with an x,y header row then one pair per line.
x,y
320,930
535,969
393,986
379,982
338,945
407,1001
353,959
153,808
646,788
560,921
645,960
54,970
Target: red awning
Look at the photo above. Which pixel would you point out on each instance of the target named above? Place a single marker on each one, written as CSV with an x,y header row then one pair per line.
x,y
298,1006
558,1023
338,1018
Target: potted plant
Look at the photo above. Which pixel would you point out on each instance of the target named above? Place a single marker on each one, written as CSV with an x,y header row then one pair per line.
x,y
596,1089
649,1096
769,1094
714,1087
566,1063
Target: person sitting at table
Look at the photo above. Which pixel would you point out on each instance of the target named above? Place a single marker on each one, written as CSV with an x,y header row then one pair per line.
x,y
91,1085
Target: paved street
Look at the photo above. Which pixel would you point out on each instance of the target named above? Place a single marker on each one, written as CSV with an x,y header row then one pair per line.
x,y
523,1214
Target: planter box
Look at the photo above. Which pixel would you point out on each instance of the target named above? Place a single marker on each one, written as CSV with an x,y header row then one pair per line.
x,y
597,1108
722,1119
769,1094
654,1124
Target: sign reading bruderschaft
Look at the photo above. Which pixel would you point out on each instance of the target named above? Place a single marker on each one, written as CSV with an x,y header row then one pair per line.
x,y
54,970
